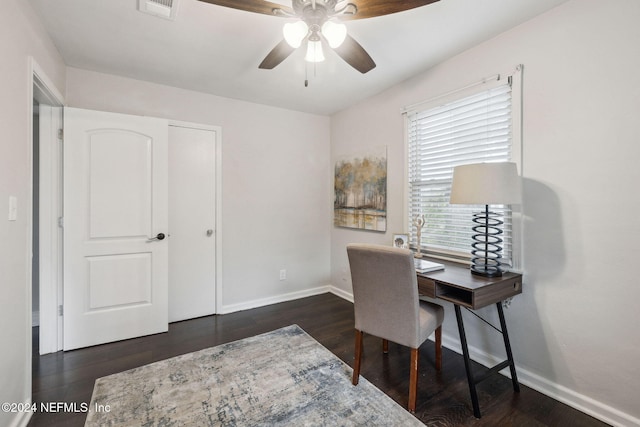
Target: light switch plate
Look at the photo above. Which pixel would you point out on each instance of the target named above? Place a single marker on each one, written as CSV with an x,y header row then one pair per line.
x,y
13,208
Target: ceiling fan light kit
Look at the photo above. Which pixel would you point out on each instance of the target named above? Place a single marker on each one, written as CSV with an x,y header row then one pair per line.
x,y
313,26
319,22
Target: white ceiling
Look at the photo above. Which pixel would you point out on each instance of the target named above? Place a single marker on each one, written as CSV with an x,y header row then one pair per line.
x,y
217,50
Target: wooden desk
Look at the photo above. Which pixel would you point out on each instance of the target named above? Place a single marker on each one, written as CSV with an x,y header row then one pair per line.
x,y
457,285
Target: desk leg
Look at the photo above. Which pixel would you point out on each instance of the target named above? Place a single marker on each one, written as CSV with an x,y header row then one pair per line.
x,y
507,346
467,363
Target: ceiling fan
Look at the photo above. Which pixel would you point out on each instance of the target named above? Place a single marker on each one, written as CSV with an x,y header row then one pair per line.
x,y
319,23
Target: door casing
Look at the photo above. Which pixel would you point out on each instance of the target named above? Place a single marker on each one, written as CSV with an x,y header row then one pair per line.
x,y
50,241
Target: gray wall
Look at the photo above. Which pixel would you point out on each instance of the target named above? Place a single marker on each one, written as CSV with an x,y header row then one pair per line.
x,y
275,183
574,328
22,37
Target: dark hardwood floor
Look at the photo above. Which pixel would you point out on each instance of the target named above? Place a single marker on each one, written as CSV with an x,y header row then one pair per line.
x,y
443,397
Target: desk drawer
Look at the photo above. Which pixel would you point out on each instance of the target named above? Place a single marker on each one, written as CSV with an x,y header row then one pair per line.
x,y
426,287
497,292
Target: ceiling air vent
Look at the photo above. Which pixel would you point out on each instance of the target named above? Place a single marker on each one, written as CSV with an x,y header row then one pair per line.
x,y
163,8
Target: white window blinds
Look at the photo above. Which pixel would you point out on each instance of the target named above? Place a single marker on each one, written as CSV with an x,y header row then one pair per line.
x,y
472,129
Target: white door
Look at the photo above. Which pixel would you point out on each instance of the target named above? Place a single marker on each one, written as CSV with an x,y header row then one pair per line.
x,y
192,218
115,217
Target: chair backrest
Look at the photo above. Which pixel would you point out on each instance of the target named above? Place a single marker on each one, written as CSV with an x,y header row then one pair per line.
x,y
385,292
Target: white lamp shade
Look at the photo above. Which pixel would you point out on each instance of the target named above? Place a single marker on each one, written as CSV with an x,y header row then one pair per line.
x,y
334,32
486,184
295,32
314,51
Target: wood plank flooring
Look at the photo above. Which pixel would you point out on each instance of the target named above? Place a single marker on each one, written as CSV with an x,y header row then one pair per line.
x,y
443,397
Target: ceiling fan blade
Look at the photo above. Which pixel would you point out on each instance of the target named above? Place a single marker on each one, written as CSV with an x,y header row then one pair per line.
x,y
276,56
355,55
257,6
372,8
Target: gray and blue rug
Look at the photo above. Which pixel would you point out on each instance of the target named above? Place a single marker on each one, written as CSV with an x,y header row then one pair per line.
x,y
283,377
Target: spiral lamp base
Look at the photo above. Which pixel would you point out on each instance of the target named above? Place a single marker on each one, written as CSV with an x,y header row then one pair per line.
x,y
486,252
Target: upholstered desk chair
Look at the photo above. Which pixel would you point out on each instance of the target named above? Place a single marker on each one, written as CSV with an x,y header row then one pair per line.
x,y
387,305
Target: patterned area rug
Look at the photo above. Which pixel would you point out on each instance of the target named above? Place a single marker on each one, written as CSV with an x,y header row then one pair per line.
x,y
283,377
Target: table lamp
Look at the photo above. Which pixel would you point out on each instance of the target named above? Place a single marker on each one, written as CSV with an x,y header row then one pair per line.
x,y
486,184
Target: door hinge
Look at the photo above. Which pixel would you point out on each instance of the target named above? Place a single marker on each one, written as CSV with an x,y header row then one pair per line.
x,y
61,222
60,134
60,310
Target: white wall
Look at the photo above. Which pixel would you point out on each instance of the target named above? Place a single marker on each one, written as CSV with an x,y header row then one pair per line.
x,y
21,36
275,172
575,327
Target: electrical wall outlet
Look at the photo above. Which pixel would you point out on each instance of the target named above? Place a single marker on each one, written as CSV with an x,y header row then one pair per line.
x,y
283,274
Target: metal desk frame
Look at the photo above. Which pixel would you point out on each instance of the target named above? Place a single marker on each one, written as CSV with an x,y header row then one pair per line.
x,y
457,285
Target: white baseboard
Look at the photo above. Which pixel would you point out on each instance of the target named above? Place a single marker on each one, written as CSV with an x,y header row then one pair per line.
x,y
555,391
558,392
247,305
22,418
340,293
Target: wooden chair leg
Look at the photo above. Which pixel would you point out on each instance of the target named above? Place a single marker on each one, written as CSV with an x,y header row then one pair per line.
x,y
358,356
439,348
385,346
413,379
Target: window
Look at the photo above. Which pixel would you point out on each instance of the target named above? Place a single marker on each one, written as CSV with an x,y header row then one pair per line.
x,y
470,126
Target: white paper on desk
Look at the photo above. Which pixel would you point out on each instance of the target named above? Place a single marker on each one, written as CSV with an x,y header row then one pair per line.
x,y
424,266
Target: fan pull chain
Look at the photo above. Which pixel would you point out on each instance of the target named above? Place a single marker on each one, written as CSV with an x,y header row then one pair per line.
x,y
306,73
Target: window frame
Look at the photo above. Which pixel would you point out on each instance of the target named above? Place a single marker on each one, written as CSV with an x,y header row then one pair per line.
x,y
514,78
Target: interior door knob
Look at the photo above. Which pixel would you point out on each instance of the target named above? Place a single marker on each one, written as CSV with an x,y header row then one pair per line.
x,y
159,236
209,232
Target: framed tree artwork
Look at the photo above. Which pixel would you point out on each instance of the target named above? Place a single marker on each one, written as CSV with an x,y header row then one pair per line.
x,y
360,186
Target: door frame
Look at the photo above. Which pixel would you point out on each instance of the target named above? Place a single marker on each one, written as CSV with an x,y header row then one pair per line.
x,y
50,286
218,208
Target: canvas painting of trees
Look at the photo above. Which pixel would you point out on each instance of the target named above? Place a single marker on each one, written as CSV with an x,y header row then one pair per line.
x,y
361,191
